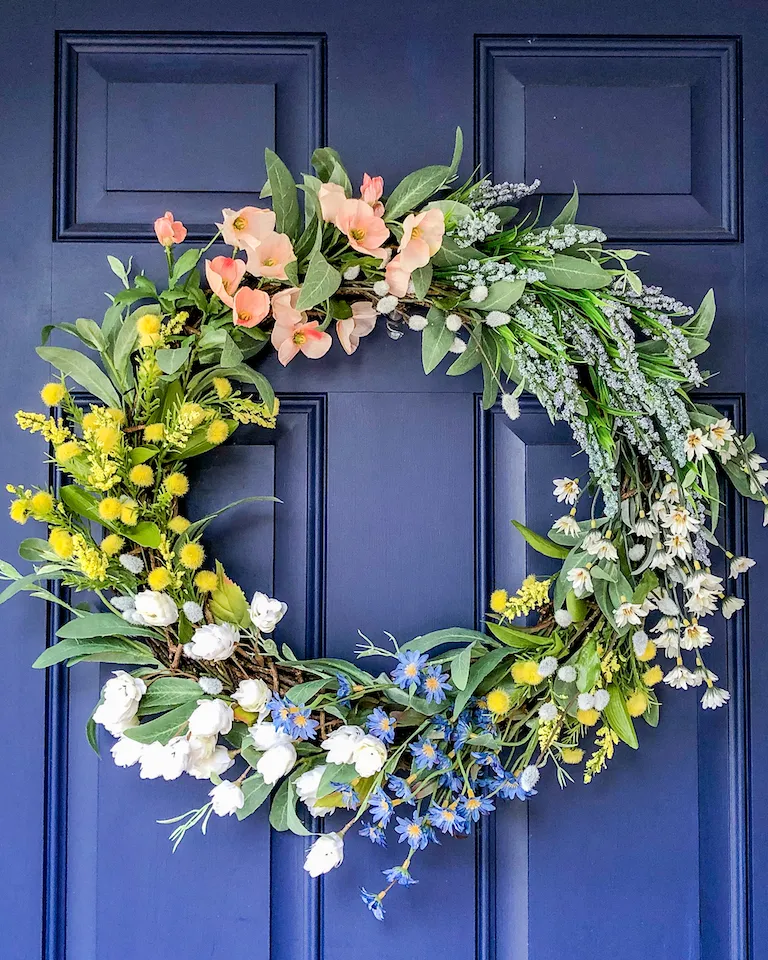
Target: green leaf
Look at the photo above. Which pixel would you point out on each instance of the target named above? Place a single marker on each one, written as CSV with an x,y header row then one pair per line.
x,y
196,528
231,354
119,270
700,324
285,198
490,385
415,189
186,262
142,454
458,149
569,211
34,549
421,278
102,625
479,671
501,295
80,502
164,727
302,693
90,333
587,663
255,792
168,692
576,606
282,814
327,162
651,715
574,273
618,719
460,668
125,341
171,361
516,638
321,282
336,773
438,637
468,360
82,370
105,650
146,534
541,544
436,340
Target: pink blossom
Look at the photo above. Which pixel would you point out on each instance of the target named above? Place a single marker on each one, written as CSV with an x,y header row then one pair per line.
x,y
331,197
224,275
360,324
249,307
371,190
284,307
292,332
247,226
169,231
397,275
422,237
365,231
270,257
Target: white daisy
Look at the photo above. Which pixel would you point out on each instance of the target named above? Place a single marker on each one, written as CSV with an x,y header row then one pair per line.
x,y
626,613
730,605
680,677
580,580
599,546
755,461
661,561
680,521
695,637
720,433
740,565
678,546
714,697
704,580
696,445
567,525
664,624
566,490
670,492
728,452
645,527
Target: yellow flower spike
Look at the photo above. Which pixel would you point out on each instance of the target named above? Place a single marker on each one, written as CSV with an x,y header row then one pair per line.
x,y
159,578
526,671
153,432
498,601
112,544
572,755
217,432
67,450
142,475
637,703
110,508
222,386
653,676
178,525
588,717
52,394
649,653
42,503
498,701
107,438
61,543
176,484
19,511
129,513
191,556
206,581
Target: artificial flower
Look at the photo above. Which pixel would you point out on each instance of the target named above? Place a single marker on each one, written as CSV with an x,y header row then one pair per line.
x,y
246,227
169,231
714,697
278,760
369,755
293,333
121,696
249,307
126,752
365,232
627,613
580,581
567,525
206,757
371,190
325,853
740,565
341,743
360,324
224,276
226,798
266,612
155,609
720,433
270,257
306,790
164,760
252,695
331,197
696,445
210,718
422,237
566,490
213,641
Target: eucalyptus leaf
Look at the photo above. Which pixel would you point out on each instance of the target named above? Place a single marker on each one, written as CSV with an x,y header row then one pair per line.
x,y
437,637
618,719
460,668
436,340
414,189
102,625
501,295
82,370
575,273
569,211
103,649
255,791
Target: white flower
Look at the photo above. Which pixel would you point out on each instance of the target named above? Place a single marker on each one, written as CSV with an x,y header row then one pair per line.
x,y
341,742
636,553
131,563
547,666
510,405
306,789
478,293
156,609
567,525
645,527
211,685
602,699
213,641
702,603
720,433
252,695
696,445
325,853
680,677
704,581
566,490
666,604
125,752
417,322
121,696
695,636
639,642
381,288
626,613
164,760
547,712
678,546
277,761
266,612
680,521
599,546
458,346
670,492
661,561
453,322
563,618
755,461
585,701
211,717
529,777
369,755
730,605
496,318
740,565
567,673
193,611
580,580
386,304
353,272
714,697
728,452
266,735
226,798
206,757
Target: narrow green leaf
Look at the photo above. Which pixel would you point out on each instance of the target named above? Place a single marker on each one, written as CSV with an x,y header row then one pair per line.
x,y
102,625
421,278
106,650
119,270
164,727
302,693
516,638
618,718
415,189
285,198
460,668
700,324
451,255
458,149
468,360
90,333
82,370
186,262
320,283
575,273
479,671
168,692
541,544
438,637
436,340
569,211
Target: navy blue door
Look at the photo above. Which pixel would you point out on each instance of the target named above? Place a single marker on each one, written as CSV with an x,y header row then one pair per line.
x,y
397,490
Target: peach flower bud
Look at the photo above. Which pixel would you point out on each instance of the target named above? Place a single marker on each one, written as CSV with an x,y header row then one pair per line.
x,y
249,307
360,324
371,190
331,197
224,275
169,231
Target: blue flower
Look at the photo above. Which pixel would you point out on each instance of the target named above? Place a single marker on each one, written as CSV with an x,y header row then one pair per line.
x,y
462,733
381,807
472,807
374,833
349,797
446,819
426,753
399,875
373,902
435,684
509,787
381,725
281,713
409,667
451,780
487,759
413,832
343,690
401,789
443,725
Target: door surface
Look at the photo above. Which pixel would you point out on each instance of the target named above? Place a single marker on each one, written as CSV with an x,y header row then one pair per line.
x,y
397,490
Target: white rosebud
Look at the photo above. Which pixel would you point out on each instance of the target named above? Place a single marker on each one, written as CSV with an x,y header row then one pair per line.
x,y
266,612
277,761
602,697
479,293
226,798
369,755
206,757
496,318
386,304
510,405
156,609
213,641
381,288
563,618
306,790
193,611
125,752
458,346
353,272
547,712
164,760
529,777
341,742
547,666
252,695
567,673
120,702
266,735
131,563
417,322
586,701
211,685
211,717
326,853
453,322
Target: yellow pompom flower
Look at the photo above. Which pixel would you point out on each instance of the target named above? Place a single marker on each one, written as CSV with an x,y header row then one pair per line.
x,y
637,703
148,328
110,508
499,601
91,419
572,755
222,386
112,544
526,671
498,701
649,653
107,438
653,676
129,513
588,717
142,475
176,484
61,543
178,525
52,394
42,503
191,556
192,413
153,432
206,581
159,578
67,450
116,415
19,511
217,432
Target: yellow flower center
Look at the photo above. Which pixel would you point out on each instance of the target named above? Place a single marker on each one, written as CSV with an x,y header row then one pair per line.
x,y
299,338
239,223
357,234
269,262
415,233
414,830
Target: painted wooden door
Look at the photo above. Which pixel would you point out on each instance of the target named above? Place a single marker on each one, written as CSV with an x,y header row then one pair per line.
x,y
397,490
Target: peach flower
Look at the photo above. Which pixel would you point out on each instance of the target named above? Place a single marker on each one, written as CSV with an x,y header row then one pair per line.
x,y
331,197
360,324
247,226
270,257
422,237
224,275
169,231
365,231
397,275
371,190
292,332
249,307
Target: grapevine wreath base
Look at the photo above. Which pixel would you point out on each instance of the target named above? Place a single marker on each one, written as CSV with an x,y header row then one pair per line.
x,y
463,719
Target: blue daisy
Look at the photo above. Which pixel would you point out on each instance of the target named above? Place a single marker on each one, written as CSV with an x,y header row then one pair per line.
x,y
487,759
302,726
446,819
426,754
374,833
381,808
434,684
343,690
399,875
401,789
412,832
452,781
349,797
472,807
381,725
373,902
409,668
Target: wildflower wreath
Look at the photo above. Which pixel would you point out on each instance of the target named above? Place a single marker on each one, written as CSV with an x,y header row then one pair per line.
x,y
464,718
